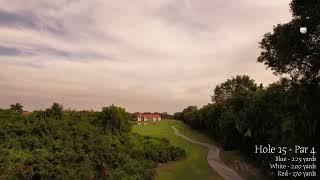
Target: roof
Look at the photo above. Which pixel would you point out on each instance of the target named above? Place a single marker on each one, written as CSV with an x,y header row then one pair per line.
x,y
26,113
148,115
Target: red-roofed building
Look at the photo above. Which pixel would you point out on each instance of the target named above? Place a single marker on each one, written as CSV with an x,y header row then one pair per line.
x,y
148,117
26,113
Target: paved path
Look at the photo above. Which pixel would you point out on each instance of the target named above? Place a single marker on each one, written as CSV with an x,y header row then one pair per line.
x,y
213,159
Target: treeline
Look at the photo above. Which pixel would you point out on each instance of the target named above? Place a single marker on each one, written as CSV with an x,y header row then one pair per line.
x,y
65,144
243,114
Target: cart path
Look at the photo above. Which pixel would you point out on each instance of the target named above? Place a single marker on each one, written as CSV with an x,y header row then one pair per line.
x,y
213,158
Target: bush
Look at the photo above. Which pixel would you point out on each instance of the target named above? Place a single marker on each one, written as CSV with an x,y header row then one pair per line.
x,y
57,144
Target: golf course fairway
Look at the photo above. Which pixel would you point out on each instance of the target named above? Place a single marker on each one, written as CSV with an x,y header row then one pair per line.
x,y
194,165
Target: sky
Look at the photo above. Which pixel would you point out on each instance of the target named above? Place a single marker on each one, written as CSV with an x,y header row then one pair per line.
x,y
143,55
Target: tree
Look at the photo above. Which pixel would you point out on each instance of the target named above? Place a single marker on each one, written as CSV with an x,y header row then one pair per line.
x,y
56,111
284,113
287,51
303,8
115,120
236,86
35,147
177,115
16,107
165,115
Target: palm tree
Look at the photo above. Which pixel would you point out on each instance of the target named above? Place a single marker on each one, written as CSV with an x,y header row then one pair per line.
x,y
16,107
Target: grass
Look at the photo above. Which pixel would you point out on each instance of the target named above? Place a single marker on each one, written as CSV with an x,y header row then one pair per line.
x,y
195,165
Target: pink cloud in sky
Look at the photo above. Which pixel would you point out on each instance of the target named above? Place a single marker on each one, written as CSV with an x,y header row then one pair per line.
x,y
145,55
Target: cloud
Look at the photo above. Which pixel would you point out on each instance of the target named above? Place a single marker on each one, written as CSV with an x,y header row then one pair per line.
x,y
12,19
146,55
8,51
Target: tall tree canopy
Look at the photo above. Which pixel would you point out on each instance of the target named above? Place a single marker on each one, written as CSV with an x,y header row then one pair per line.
x,y
287,51
239,85
284,113
305,8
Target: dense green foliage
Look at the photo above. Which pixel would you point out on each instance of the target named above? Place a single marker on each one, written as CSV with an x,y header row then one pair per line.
x,y
284,113
69,144
287,51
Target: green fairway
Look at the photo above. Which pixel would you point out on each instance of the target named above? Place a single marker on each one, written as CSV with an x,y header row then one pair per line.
x,y
195,165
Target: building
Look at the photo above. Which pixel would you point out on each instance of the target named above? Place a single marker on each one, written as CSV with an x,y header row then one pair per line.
x,y
26,113
148,117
